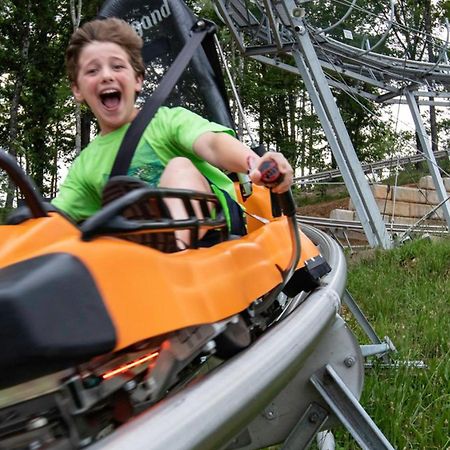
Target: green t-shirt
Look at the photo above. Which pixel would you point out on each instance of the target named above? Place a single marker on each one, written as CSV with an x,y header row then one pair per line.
x,y
171,133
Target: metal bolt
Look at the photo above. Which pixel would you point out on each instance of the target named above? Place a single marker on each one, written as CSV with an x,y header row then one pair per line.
x,y
313,417
130,385
300,29
270,414
35,445
85,442
209,347
349,361
297,12
36,423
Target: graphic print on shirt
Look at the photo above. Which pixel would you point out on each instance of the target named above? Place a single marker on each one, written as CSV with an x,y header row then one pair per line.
x,y
146,165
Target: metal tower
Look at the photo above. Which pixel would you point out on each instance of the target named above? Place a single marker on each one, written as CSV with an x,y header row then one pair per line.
x,y
263,30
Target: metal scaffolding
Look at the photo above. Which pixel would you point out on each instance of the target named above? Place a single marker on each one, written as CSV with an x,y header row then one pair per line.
x,y
267,30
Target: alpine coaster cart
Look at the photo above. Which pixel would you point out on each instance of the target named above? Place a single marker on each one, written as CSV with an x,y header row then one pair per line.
x,y
237,345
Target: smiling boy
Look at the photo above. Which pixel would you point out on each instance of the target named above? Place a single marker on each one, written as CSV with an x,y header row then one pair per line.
x,y
178,149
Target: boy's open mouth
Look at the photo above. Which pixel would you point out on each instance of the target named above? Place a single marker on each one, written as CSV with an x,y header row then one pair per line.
x,y
110,98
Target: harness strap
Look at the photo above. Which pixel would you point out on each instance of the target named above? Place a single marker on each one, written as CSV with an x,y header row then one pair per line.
x,y
134,133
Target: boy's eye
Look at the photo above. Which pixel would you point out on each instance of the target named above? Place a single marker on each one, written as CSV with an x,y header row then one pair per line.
x,y
91,71
118,66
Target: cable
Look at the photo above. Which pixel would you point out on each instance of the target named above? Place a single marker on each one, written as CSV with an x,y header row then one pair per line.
x,y
396,176
234,90
395,23
342,80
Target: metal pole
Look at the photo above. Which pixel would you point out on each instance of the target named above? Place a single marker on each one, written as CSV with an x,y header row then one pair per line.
x,y
309,66
432,164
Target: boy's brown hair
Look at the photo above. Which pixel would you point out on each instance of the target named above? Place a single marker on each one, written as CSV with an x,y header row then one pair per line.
x,y
112,30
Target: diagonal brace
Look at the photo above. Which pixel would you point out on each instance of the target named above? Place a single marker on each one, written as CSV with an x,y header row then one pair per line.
x,y
348,410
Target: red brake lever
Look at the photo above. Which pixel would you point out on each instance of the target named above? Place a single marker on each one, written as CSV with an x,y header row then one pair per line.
x,y
270,174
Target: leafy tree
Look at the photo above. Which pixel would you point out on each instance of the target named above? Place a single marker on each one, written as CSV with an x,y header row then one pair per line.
x,y
36,110
423,18
15,43
371,136
38,115
34,36
283,113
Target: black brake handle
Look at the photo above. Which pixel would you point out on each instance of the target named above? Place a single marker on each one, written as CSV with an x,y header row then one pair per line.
x,y
271,177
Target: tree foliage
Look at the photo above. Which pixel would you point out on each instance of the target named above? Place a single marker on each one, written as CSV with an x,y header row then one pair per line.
x,y
285,119
37,113
36,123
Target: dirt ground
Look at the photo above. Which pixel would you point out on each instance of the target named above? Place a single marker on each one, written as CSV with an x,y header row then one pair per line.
x,y
323,209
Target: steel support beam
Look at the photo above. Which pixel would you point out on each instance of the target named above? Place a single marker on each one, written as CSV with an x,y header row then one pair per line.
x,y
284,24
431,160
351,304
325,106
348,410
307,428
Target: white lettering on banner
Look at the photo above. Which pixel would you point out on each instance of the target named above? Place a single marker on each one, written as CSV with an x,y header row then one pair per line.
x,y
156,16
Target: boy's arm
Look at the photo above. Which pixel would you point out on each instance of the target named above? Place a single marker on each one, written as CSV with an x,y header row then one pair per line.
x,y
226,152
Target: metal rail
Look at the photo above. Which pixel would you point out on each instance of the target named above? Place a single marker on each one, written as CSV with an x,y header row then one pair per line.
x,y
209,413
256,35
355,225
369,167
381,68
267,30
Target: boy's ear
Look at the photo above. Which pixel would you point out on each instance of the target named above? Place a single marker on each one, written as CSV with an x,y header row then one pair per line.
x,y
139,82
76,93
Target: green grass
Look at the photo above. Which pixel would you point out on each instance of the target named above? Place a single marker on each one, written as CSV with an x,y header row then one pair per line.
x,y
319,195
405,293
408,174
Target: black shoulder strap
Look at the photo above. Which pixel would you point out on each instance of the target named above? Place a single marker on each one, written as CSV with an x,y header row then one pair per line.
x,y
137,127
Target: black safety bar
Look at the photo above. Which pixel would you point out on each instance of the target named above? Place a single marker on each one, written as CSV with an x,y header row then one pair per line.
x,y
33,199
110,221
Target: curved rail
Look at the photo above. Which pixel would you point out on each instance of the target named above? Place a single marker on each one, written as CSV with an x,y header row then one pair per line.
x,y
336,279
378,43
341,20
388,66
252,34
386,32
370,167
209,413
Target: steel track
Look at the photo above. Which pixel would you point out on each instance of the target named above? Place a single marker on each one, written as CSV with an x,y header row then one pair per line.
x,y
354,225
368,167
209,413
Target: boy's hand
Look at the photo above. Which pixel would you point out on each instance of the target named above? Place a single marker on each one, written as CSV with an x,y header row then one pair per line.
x,y
285,169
